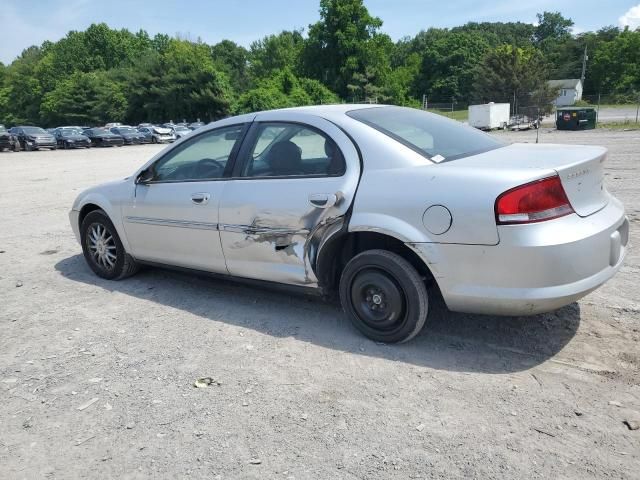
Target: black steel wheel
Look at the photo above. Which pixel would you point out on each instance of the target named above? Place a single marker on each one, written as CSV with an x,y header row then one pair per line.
x,y
103,249
384,296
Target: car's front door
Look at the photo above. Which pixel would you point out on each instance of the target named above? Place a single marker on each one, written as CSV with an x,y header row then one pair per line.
x,y
173,217
295,178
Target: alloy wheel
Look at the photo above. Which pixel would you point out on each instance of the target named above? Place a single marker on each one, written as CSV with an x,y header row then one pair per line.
x,y
102,246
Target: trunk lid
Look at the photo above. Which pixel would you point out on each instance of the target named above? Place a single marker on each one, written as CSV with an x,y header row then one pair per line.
x,y
583,181
580,168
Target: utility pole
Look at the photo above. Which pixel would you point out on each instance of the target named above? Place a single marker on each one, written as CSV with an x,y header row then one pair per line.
x,y
584,65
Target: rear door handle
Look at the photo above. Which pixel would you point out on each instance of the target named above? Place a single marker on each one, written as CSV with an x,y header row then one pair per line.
x,y
200,198
323,200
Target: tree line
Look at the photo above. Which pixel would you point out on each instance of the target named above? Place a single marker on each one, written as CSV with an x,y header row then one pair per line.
x,y
101,75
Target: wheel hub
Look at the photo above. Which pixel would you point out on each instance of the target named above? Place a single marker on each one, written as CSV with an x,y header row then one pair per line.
x,y
377,299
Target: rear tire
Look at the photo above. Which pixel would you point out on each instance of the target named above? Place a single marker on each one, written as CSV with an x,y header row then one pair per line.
x,y
384,296
103,249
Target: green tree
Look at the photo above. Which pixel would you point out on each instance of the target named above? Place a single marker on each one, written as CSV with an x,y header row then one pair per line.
x,y
345,45
449,64
616,64
274,53
499,33
284,90
232,59
552,26
84,99
512,75
180,83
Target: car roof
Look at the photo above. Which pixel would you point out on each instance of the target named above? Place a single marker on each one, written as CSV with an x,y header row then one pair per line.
x,y
329,110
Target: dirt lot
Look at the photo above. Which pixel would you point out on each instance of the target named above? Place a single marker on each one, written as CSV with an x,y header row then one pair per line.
x,y
300,393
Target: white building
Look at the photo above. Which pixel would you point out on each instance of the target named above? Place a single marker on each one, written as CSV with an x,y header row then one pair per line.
x,y
569,91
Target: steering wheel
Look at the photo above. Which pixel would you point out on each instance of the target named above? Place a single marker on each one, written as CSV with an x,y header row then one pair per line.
x,y
209,168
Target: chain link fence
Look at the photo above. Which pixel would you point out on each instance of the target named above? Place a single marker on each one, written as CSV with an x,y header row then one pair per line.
x,y
610,108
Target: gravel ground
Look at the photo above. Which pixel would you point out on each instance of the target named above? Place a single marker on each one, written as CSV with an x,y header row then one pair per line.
x,y
97,377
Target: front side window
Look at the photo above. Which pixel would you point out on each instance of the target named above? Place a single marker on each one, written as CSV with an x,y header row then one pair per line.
x,y
203,158
437,138
283,150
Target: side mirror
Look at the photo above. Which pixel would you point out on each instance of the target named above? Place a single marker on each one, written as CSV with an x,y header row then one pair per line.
x,y
145,176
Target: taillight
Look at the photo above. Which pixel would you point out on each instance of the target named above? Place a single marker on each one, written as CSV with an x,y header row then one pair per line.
x,y
533,202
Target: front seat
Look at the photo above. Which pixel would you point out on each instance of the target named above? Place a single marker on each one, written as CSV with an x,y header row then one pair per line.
x,y
285,158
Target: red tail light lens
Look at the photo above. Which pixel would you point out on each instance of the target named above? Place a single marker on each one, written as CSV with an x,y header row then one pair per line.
x,y
533,202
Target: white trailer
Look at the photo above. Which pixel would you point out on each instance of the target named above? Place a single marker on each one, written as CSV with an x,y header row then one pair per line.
x,y
489,115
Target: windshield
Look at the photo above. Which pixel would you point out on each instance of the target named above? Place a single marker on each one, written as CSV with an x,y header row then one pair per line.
x,y
127,130
182,129
437,138
2,129
33,130
71,131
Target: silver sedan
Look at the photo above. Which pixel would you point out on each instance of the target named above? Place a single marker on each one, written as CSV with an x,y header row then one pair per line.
x,y
385,206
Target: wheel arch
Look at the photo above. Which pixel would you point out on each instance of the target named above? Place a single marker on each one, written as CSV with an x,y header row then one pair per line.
x,y
338,250
95,202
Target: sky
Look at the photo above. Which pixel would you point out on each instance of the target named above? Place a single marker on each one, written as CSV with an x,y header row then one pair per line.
x,y
30,22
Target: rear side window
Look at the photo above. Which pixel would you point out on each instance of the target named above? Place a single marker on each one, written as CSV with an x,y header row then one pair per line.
x,y
293,150
437,138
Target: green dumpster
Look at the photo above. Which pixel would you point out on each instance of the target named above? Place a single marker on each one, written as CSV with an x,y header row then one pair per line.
x,y
576,118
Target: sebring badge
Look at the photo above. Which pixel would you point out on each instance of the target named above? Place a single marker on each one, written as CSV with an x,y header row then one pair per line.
x,y
579,173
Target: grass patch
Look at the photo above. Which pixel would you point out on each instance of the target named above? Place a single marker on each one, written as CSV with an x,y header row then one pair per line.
x,y
619,125
460,115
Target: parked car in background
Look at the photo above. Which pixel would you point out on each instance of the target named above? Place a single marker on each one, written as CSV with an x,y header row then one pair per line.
x,y
8,141
374,203
71,137
142,125
158,134
196,125
130,135
101,137
180,131
34,138
111,125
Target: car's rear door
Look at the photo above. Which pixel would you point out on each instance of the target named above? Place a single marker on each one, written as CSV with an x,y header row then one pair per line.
x,y
296,174
173,219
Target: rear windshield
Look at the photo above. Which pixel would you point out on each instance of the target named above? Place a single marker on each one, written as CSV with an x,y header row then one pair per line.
x,y
437,138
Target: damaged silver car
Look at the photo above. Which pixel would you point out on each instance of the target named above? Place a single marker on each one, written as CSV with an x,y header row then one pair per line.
x,y
385,206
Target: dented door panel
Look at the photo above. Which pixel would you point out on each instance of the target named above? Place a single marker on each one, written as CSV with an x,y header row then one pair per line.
x,y
271,228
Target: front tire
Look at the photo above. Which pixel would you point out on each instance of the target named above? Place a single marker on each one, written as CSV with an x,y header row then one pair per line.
x,y
103,249
384,296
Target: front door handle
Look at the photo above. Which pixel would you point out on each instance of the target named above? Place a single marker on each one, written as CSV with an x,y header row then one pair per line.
x,y
323,200
200,198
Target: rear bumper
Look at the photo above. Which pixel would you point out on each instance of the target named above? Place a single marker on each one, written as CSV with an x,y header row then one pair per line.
x,y
535,268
